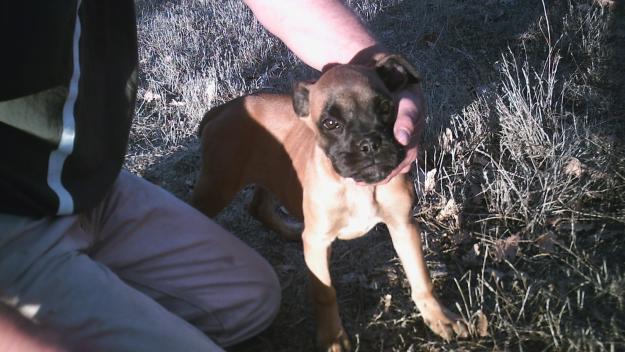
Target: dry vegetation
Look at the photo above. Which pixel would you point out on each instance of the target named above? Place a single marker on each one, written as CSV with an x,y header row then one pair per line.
x,y
522,197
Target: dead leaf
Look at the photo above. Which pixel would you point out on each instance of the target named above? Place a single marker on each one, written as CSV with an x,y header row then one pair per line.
x,y
430,181
506,249
387,302
447,140
574,167
451,210
150,96
438,270
482,324
546,243
611,4
174,102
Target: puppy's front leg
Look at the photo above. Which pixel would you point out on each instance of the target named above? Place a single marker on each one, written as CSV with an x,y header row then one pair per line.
x,y
331,336
406,236
407,243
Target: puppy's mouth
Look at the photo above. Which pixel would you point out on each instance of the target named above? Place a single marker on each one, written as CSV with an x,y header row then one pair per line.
x,y
378,167
373,172
368,169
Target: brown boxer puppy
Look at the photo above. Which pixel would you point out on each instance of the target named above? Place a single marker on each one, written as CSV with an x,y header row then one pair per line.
x,y
321,152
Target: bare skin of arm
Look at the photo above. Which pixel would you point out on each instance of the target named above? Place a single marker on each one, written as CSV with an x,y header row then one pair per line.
x,y
17,334
322,32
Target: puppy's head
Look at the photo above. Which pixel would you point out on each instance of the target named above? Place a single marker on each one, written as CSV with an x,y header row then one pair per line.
x,y
352,111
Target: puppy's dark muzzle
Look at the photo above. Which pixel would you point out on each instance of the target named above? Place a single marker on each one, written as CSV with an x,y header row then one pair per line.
x,y
370,145
378,157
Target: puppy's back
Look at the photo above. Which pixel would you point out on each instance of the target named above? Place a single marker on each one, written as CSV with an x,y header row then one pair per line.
x,y
243,143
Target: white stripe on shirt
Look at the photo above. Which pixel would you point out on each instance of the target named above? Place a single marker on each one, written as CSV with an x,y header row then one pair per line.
x,y
68,134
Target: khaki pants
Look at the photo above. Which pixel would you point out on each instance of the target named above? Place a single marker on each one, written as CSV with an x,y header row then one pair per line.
x,y
142,271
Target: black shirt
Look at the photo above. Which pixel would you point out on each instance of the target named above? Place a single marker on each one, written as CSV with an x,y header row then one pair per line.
x,y
67,89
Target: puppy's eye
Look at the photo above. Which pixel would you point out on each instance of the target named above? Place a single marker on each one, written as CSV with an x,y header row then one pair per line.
x,y
330,123
385,107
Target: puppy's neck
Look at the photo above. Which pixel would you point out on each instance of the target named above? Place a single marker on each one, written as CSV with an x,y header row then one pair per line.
x,y
322,165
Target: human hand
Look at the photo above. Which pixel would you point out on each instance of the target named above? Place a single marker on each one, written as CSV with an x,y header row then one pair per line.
x,y
408,127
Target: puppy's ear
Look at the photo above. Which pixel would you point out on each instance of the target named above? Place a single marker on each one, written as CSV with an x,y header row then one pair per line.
x,y
396,72
300,98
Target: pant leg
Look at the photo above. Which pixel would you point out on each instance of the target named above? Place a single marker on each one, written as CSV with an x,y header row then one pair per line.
x,y
185,261
111,279
45,275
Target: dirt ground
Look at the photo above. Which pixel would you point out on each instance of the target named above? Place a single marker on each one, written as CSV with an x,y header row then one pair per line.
x,y
458,47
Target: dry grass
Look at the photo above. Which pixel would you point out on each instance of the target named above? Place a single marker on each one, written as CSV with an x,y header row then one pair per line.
x,y
523,195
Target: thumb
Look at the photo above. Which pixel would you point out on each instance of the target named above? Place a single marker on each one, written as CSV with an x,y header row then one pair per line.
x,y
403,136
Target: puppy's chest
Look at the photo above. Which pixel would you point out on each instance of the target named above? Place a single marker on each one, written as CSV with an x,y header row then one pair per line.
x,y
360,214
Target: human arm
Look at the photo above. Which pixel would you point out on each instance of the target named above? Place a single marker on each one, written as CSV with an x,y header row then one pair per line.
x,y
18,334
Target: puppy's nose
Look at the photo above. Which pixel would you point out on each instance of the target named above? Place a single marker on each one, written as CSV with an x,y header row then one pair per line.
x,y
370,144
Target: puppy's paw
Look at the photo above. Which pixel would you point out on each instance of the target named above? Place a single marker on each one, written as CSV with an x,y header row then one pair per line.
x,y
441,320
338,343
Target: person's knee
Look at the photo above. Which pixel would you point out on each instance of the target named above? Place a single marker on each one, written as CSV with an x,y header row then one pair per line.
x,y
252,308
262,308
268,300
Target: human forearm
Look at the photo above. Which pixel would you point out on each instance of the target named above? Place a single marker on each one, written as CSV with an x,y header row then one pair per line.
x,y
317,31
17,334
